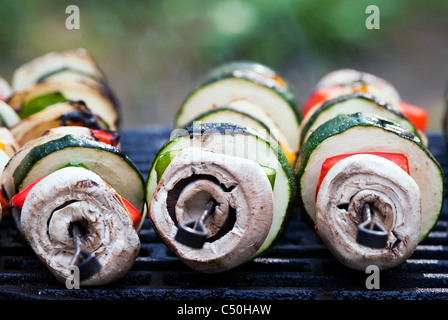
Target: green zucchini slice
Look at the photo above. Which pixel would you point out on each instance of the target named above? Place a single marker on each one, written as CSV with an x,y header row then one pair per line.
x,y
257,83
55,115
78,61
107,161
8,115
353,103
96,100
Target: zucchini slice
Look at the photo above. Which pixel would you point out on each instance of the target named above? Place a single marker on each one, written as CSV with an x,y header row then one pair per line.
x,y
238,143
5,89
98,101
244,113
107,161
39,103
360,132
8,116
55,115
363,81
8,186
78,61
228,115
249,80
7,142
353,103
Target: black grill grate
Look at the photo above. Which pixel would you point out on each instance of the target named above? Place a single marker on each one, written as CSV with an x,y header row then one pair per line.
x,y
299,267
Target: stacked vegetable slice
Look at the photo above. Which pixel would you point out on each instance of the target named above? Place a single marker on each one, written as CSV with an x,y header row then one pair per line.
x,y
270,97
70,187
56,182
229,153
61,88
357,150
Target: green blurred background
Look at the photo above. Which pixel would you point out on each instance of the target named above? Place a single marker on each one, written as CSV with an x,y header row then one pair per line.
x,y
153,52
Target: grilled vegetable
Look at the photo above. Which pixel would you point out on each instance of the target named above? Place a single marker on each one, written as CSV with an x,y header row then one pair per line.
x,y
8,117
246,114
5,89
367,182
394,197
76,196
252,81
59,114
7,142
398,158
357,102
417,115
360,133
250,179
361,82
348,81
40,96
78,63
115,167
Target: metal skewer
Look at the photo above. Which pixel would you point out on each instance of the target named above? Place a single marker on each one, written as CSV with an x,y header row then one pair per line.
x,y
86,262
371,234
193,233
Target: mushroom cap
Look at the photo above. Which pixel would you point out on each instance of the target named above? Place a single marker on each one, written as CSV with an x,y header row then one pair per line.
x,y
244,196
394,197
74,194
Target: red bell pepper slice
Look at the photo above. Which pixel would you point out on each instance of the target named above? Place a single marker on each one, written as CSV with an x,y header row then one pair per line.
x,y
322,95
316,97
134,214
108,137
398,158
19,199
416,115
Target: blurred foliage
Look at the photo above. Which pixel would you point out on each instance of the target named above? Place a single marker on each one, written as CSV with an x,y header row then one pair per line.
x,y
152,51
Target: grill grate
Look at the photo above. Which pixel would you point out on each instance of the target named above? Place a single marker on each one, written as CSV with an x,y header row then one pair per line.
x,y
299,267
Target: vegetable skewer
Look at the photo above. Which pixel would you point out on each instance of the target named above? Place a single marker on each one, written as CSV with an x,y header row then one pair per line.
x,y
356,156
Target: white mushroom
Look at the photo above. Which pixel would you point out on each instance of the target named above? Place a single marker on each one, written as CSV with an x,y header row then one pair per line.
x,y
243,214
395,201
72,195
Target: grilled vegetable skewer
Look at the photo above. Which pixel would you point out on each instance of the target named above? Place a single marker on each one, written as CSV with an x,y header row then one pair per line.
x,y
359,152
253,89
76,195
236,140
60,89
248,177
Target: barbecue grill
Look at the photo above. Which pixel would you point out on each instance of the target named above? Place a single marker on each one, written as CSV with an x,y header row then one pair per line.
x,y
299,267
